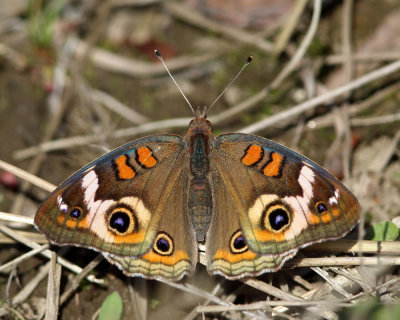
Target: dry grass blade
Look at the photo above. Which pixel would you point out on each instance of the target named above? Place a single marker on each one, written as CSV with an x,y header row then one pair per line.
x,y
33,236
363,57
290,25
32,284
53,289
293,63
373,291
193,314
43,184
47,253
116,106
85,140
11,264
354,246
5,309
356,108
336,286
373,121
295,60
198,292
313,103
15,218
344,261
195,291
262,305
191,16
116,63
269,289
138,297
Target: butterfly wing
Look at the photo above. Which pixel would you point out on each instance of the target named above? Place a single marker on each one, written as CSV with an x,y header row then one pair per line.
x,y
282,201
127,204
226,249
174,251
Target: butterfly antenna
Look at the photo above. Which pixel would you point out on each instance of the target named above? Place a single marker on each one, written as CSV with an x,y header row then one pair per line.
x,y
249,59
158,54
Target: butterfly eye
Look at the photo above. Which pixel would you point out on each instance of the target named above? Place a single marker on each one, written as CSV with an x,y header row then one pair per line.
x,y
75,213
237,243
276,217
321,207
163,245
122,221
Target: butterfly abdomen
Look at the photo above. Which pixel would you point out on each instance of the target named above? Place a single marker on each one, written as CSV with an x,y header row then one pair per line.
x,y
200,206
200,198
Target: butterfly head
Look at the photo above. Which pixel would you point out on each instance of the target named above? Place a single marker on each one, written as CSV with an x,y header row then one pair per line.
x,y
200,124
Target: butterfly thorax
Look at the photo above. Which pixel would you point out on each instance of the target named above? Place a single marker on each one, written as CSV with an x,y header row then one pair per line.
x,y
200,141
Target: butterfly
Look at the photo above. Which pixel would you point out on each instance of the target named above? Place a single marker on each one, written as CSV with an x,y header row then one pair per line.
x,y
147,205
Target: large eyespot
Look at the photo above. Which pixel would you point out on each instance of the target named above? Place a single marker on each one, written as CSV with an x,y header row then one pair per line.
x,y
75,213
122,221
276,217
321,207
237,243
163,244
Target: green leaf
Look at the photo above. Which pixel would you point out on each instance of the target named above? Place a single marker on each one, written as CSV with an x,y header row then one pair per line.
x,y
385,231
111,309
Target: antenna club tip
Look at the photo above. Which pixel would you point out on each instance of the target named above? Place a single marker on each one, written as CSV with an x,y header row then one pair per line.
x,y
249,59
158,54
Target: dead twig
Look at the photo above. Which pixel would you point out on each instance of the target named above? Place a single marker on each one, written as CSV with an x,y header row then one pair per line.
x,y
47,253
31,178
116,106
66,143
313,103
113,62
344,261
371,57
11,264
356,108
373,121
289,26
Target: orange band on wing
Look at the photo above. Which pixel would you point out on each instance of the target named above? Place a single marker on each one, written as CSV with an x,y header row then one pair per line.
x,y
145,157
264,236
124,170
72,223
324,218
313,219
335,212
253,155
132,238
233,258
153,257
274,167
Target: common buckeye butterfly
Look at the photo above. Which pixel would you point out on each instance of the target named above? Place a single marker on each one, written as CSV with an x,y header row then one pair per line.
x,y
147,204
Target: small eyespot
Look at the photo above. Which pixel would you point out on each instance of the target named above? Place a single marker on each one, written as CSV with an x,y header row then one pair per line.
x,y
321,207
121,221
276,218
237,243
75,212
163,244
